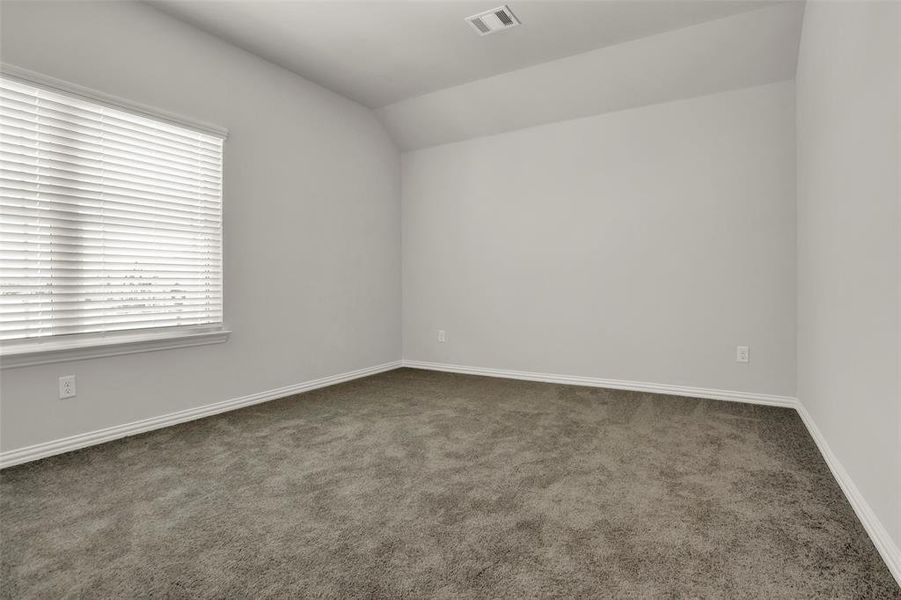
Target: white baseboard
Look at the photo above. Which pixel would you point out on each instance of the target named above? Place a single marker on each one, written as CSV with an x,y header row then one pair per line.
x,y
30,453
887,548
616,384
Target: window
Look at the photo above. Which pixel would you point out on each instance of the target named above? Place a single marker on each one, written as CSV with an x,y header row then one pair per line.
x,y
110,221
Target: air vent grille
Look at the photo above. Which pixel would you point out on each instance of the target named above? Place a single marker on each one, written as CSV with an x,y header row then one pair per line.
x,y
492,21
480,25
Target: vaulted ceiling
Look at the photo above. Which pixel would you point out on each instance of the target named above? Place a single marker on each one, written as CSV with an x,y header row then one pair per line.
x,y
432,79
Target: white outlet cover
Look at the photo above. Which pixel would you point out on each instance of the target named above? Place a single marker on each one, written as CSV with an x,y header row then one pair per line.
x,y
742,354
67,387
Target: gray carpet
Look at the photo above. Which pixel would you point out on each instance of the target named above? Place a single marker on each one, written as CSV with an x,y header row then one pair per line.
x,y
413,484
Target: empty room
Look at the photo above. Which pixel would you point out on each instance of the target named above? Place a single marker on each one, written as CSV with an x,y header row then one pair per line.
x,y
413,299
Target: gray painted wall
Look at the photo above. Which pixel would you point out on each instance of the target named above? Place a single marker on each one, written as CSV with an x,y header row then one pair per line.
x,y
312,243
642,245
849,258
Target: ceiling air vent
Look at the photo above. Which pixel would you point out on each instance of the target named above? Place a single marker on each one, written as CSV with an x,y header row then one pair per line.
x,y
494,20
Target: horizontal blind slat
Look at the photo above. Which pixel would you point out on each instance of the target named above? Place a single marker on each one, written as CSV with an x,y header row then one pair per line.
x,y
44,120
38,293
146,317
101,212
48,131
86,206
37,164
75,282
37,157
37,193
49,104
21,144
92,310
32,253
100,237
38,330
59,243
83,160
110,224
28,92
95,300
115,213
30,181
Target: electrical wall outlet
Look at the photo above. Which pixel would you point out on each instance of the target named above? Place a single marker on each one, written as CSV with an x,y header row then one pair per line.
x,y
742,354
67,387
442,336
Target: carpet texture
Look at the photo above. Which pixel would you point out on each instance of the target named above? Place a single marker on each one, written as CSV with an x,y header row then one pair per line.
x,y
413,484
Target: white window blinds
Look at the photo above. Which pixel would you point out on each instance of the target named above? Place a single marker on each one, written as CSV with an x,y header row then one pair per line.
x,y
109,221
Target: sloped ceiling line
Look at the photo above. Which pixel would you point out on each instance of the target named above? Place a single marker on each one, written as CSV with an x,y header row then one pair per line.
x,y
744,50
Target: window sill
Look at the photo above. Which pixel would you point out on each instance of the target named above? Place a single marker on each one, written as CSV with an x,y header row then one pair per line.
x,y
56,350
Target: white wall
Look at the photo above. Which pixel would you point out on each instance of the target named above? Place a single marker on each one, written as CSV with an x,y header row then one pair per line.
x,y
849,258
312,242
642,245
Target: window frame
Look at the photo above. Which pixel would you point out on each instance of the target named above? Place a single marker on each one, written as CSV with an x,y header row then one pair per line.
x,y
61,348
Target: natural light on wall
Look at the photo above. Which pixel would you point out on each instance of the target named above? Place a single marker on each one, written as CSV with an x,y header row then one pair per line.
x,y
110,221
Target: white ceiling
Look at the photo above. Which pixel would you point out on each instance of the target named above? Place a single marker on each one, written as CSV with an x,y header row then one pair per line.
x,y
382,52
743,50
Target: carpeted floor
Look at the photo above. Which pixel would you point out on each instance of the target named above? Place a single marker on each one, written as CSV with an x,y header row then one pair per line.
x,y
413,484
